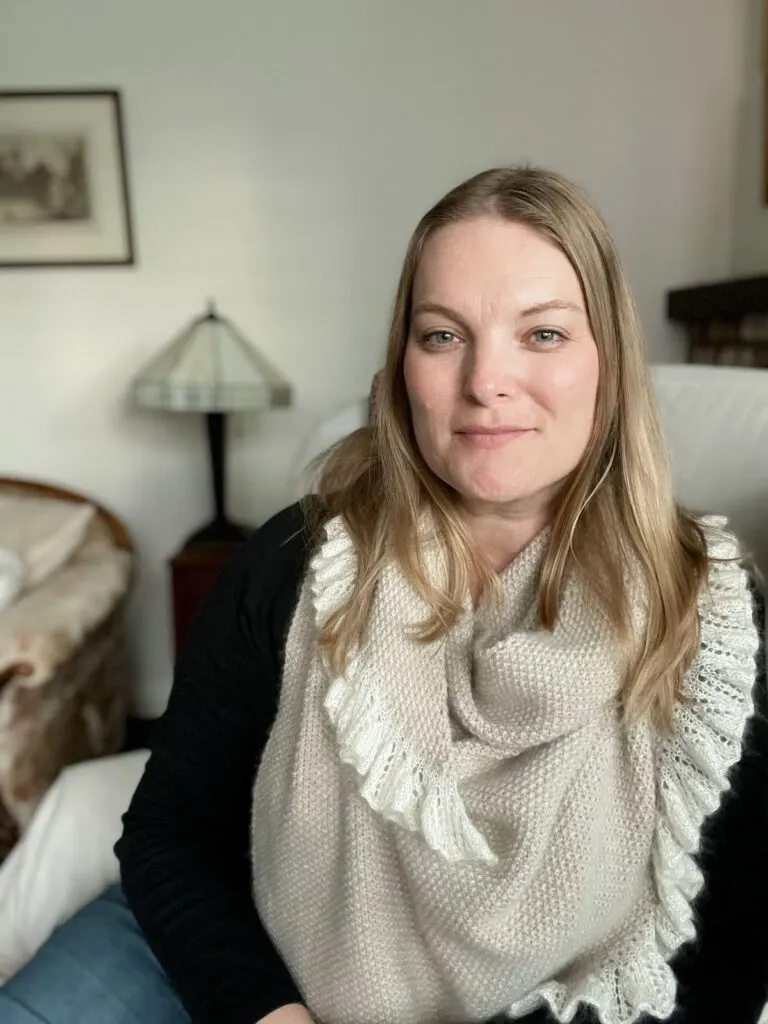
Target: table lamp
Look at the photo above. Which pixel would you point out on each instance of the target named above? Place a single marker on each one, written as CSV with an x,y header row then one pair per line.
x,y
209,367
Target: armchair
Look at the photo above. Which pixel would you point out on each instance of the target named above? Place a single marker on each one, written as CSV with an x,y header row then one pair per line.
x,y
63,678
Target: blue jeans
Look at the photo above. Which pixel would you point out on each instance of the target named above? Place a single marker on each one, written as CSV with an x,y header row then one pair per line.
x,y
95,969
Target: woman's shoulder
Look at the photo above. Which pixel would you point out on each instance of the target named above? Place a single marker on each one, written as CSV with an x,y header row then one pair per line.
x,y
727,598
721,743
259,588
722,542
729,631
284,540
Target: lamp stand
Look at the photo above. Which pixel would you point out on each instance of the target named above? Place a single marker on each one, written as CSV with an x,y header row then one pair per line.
x,y
220,530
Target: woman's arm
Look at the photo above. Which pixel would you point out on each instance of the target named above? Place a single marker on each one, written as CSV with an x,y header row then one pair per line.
x,y
185,850
723,974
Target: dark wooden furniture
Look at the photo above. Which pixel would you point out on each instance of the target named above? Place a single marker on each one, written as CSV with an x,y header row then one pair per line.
x,y
726,321
193,571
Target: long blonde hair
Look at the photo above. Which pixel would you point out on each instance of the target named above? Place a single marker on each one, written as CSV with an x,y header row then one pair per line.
x,y
618,503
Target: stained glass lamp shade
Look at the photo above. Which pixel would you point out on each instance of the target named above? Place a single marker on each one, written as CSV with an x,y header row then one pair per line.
x,y
210,368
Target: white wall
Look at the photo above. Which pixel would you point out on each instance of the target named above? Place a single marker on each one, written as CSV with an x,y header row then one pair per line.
x,y
750,234
279,155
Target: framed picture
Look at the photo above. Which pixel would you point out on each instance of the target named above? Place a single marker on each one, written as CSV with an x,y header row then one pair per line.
x,y
765,101
63,187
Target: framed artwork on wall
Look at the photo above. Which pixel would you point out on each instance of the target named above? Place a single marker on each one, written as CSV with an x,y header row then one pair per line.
x,y
63,185
765,100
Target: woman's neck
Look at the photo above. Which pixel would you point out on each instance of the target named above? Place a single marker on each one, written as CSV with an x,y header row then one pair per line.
x,y
501,533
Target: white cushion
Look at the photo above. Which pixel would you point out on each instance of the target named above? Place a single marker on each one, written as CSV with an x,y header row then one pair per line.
x,y
324,435
716,424
43,532
65,858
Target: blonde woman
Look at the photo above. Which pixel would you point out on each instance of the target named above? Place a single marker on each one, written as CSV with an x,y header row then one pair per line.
x,y
449,741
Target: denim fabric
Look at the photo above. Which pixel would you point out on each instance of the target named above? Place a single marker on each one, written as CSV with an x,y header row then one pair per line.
x,y
95,969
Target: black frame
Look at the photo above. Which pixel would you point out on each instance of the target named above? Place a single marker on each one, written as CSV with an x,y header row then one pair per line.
x,y
114,95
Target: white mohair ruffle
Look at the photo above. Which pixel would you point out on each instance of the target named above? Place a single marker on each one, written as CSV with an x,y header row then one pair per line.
x,y
692,775
398,785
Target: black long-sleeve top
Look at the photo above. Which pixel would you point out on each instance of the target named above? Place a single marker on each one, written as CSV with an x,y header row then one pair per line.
x,y
185,849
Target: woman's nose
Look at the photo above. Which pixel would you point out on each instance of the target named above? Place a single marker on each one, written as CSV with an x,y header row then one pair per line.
x,y
490,373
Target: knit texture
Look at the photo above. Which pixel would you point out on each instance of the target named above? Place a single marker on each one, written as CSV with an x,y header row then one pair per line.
x,y
465,828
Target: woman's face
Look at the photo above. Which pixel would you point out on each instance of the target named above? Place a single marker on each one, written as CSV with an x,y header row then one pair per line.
x,y
501,368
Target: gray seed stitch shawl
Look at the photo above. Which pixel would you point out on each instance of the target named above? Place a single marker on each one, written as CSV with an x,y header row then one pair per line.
x,y
466,828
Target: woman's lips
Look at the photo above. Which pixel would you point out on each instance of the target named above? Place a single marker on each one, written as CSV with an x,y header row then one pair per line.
x,y
490,437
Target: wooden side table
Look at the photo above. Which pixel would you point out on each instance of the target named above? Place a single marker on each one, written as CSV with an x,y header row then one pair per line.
x,y
194,569
193,572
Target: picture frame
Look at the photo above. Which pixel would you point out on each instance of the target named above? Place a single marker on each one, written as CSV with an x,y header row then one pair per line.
x,y
765,101
64,199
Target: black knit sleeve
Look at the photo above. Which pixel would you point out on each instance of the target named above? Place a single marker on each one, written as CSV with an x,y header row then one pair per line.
x,y
185,850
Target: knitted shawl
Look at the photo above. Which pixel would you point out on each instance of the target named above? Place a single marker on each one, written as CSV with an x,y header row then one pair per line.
x,y
464,828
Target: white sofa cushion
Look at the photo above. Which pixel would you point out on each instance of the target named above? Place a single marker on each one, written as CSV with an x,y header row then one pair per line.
x,y
715,420
65,858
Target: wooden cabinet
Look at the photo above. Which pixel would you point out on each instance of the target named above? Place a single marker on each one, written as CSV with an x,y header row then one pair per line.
x,y
726,322
193,571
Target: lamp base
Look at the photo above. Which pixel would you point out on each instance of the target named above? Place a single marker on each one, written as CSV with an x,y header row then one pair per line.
x,y
219,531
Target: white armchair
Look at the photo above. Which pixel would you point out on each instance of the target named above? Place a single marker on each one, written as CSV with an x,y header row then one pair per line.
x,y
716,422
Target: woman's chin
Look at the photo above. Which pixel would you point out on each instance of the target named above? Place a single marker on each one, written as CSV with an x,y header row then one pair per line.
x,y
491,492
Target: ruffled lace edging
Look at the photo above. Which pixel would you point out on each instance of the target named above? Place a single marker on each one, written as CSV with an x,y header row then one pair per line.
x,y
693,768
398,785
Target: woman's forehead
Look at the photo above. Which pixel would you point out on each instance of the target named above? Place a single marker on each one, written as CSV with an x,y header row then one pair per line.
x,y
495,264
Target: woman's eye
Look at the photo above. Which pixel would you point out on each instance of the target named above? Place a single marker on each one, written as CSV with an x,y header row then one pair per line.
x,y
546,336
439,339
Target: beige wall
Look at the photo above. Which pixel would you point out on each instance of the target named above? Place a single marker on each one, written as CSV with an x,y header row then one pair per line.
x,y
279,155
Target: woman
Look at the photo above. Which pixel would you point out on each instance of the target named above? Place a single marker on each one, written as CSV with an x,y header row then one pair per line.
x,y
493,679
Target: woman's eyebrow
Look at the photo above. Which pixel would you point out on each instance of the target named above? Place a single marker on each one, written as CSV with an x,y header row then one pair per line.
x,y
535,310
438,307
545,307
